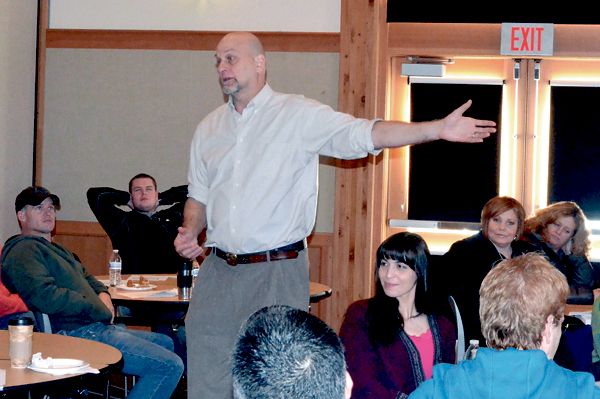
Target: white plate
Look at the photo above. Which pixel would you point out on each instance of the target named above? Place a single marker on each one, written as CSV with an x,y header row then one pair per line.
x,y
136,287
62,365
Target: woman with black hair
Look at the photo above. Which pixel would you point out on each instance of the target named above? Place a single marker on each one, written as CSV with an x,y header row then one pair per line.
x,y
393,340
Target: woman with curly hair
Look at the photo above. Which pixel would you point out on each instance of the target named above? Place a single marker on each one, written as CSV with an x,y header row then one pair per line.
x,y
393,340
559,232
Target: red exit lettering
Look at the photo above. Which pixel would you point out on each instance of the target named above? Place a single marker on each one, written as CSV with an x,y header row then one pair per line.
x,y
526,38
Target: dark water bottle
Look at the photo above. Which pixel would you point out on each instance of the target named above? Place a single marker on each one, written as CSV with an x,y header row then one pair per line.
x,y
184,279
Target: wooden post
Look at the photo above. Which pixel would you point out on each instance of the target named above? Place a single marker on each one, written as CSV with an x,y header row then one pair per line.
x,y
40,87
359,223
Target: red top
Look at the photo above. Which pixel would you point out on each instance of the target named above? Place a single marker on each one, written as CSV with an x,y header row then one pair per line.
x,y
424,344
10,303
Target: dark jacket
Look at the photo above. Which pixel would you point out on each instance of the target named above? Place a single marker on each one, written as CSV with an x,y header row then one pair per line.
x,y
395,370
461,271
145,243
577,269
49,279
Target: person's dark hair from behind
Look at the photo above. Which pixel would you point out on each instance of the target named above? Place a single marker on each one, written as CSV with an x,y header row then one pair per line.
x,y
385,318
284,352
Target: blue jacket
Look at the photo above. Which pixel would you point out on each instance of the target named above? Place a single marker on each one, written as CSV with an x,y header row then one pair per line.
x,y
510,373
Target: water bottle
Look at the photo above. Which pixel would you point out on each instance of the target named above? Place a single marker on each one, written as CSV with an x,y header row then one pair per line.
x,y
114,269
195,270
472,349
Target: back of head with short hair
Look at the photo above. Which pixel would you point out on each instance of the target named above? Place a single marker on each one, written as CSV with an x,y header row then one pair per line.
x,y
516,298
284,352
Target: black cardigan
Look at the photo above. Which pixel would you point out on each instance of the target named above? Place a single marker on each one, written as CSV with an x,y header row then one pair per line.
x,y
460,272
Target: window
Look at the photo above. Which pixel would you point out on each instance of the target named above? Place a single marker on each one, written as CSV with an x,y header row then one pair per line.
x,y
546,150
440,170
574,164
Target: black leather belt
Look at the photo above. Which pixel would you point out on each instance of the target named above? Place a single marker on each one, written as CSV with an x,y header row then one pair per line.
x,y
281,253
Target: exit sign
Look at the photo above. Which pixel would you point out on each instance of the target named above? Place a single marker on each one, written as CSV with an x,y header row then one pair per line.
x,y
527,39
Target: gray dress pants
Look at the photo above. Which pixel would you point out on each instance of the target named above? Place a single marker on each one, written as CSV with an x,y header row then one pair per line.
x,y
223,298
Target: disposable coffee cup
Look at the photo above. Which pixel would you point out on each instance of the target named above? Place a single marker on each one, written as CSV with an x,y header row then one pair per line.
x,y
21,337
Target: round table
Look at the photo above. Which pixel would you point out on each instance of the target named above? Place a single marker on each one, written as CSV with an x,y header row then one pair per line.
x,y
167,282
143,300
318,292
102,357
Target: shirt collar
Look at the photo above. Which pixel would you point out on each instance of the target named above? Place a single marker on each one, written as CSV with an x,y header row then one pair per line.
x,y
258,101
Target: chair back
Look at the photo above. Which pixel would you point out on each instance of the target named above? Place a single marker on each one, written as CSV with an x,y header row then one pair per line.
x,y
460,331
43,322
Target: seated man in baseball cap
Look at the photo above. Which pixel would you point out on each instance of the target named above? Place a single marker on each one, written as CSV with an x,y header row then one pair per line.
x,y
51,280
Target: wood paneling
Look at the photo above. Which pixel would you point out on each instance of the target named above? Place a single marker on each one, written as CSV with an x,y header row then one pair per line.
x,y
468,40
320,254
40,83
186,40
359,221
88,241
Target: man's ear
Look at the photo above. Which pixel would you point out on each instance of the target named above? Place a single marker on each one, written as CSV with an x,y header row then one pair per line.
x,y
21,216
261,62
349,383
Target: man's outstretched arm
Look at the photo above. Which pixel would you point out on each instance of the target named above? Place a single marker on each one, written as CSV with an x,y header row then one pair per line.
x,y
454,127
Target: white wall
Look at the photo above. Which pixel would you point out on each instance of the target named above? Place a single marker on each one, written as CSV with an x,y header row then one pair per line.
x,y
94,102
217,15
18,30
111,114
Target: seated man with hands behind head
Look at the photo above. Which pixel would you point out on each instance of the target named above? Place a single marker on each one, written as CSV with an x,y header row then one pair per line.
x,y
50,280
144,236
522,305
282,352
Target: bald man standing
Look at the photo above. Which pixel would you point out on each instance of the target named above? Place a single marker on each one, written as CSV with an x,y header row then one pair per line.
x,y
253,184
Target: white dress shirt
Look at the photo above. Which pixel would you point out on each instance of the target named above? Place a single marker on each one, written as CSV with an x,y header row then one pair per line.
x,y
257,173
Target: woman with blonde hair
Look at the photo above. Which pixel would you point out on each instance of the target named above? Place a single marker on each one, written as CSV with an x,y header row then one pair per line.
x,y
523,302
464,266
559,232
